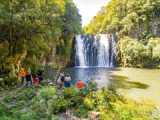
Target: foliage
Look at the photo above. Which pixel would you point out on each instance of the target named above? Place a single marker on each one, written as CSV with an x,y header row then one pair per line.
x,y
103,97
128,111
139,21
135,53
92,86
46,103
154,45
76,97
33,104
49,102
46,93
33,31
110,105
127,18
70,92
73,96
113,106
81,112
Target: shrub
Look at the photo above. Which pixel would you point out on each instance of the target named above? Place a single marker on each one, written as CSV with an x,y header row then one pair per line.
x,y
47,102
58,105
25,104
47,92
81,112
112,106
154,46
70,92
103,97
73,96
92,86
89,103
134,53
131,110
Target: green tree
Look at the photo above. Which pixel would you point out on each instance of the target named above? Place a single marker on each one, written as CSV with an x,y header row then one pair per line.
x,y
31,30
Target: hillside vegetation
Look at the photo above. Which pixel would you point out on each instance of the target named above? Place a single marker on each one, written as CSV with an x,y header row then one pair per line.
x,y
35,33
137,26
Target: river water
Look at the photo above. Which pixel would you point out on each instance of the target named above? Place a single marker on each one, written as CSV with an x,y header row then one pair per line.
x,y
95,60
138,84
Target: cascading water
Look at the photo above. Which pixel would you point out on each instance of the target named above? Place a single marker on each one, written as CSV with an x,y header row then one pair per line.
x,y
80,51
95,50
104,54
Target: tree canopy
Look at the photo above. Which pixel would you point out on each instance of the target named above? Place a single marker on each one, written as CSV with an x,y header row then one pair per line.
x,y
32,30
135,18
136,24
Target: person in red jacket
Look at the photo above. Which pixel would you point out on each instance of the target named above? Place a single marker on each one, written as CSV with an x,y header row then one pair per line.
x,y
80,84
35,80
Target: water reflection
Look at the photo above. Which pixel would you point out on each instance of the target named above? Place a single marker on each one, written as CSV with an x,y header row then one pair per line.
x,y
118,81
139,84
101,75
104,78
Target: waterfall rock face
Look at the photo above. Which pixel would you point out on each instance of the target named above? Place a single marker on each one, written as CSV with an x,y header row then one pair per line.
x,y
95,50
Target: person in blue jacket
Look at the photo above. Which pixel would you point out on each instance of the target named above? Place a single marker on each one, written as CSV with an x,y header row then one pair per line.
x,y
67,81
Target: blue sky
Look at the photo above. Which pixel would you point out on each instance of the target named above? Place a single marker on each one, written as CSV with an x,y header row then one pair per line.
x,y
89,8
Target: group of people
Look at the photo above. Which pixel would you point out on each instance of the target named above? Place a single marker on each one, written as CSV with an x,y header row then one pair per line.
x,y
28,79
65,80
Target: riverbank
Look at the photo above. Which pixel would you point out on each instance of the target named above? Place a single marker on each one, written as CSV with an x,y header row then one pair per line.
x,y
121,100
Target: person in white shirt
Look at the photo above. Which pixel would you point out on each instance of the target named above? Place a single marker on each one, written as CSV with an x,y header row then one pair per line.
x,y
60,80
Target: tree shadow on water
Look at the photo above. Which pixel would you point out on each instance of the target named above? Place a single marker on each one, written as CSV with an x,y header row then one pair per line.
x,y
118,81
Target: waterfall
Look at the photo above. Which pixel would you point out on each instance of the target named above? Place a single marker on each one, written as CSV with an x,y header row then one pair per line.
x,y
95,50
104,54
80,51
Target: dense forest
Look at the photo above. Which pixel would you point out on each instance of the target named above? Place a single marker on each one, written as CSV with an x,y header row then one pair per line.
x,y
35,33
136,24
39,34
